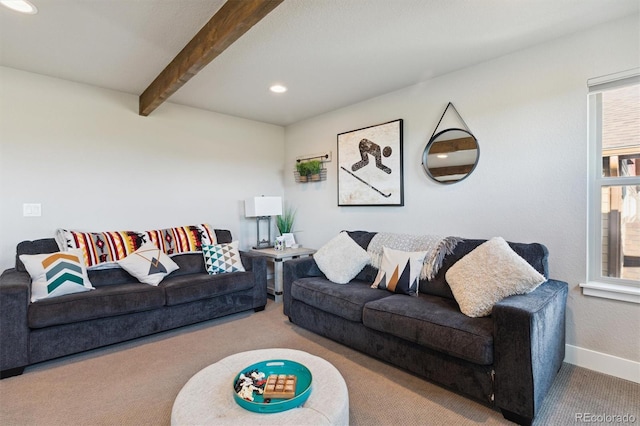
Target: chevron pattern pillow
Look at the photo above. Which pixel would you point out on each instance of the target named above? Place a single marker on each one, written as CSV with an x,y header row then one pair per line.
x,y
148,264
222,258
56,274
400,271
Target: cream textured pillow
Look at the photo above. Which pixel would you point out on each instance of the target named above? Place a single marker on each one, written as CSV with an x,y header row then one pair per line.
x,y
341,259
56,274
148,264
487,275
400,271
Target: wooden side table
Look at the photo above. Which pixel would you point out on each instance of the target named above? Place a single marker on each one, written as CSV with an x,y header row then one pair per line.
x,y
277,257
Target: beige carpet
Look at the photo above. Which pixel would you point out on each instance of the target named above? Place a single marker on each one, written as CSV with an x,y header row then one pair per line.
x,y
135,383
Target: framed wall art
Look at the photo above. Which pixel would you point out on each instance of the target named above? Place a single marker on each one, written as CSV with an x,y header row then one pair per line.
x,y
370,166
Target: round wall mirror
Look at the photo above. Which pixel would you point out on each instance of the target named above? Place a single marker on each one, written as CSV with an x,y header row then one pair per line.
x,y
451,155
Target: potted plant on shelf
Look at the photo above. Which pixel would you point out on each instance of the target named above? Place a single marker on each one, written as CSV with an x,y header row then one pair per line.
x,y
301,168
313,170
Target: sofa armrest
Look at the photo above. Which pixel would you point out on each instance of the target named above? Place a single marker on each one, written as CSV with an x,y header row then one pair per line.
x,y
294,269
15,294
529,345
256,264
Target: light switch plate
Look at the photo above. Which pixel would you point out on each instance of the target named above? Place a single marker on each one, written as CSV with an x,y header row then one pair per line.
x,y
31,209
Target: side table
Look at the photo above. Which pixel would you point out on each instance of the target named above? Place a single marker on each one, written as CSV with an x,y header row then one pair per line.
x,y
277,257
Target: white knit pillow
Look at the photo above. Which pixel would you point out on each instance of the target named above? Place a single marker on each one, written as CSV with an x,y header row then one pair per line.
x,y
341,259
487,275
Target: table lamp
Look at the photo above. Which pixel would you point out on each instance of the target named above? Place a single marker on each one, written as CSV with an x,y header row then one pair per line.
x,y
262,208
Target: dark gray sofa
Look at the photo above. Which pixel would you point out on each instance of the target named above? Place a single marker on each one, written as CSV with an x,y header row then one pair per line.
x,y
120,308
507,360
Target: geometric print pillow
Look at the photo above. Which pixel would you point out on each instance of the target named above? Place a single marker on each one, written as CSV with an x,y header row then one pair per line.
x,y
183,239
400,271
100,249
222,258
148,264
56,274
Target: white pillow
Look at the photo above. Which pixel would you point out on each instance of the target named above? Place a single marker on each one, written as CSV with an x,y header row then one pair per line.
x,y
341,259
400,271
488,274
148,264
56,274
222,258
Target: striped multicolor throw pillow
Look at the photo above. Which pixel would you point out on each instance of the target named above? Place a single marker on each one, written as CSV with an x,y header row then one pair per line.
x,y
184,239
56,274
100,249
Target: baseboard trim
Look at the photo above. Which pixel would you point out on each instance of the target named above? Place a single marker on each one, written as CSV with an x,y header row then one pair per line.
x,y
603,363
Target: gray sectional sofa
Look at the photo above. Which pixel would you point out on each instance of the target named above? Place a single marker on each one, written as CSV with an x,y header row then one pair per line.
x,y
507,360
120,308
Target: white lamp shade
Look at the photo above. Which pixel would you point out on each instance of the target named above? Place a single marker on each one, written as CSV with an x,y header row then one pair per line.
x,y
262,206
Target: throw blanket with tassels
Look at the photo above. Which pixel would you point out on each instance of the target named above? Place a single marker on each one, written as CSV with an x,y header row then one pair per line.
x,y
437,247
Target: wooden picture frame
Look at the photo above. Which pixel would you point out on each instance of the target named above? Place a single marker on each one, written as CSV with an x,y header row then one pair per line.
x,y
370,166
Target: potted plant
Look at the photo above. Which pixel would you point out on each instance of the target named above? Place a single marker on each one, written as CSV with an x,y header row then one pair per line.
x,y
313,169
301,168
284,223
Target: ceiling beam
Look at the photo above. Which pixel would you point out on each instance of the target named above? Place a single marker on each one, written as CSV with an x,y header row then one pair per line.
x,y
234,18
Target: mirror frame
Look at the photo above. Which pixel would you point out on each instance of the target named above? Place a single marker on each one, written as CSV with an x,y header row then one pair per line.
x,y
431,142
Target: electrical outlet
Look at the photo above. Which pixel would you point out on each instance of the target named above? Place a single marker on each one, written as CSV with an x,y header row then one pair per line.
x,y
31,209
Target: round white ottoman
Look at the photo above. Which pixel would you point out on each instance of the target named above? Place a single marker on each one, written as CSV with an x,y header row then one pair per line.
x,y
207,398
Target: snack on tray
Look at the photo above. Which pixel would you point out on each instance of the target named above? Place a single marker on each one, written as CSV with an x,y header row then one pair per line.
x,y
281,386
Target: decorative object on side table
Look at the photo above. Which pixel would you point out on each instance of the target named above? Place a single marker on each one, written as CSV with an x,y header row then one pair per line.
x,y
285,226
370,171
262,208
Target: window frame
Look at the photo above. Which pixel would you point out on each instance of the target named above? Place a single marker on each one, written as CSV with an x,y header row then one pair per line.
x,y
597,284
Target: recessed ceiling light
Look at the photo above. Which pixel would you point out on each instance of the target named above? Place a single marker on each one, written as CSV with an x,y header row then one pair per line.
x,y
278,88
22,6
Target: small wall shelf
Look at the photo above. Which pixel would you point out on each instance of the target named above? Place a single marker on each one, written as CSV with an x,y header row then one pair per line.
x,y
315,177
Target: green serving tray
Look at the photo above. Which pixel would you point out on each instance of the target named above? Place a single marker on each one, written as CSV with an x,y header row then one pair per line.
x,y
276,366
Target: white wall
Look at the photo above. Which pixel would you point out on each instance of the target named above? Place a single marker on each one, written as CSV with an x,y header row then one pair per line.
x,y
528,111
96,165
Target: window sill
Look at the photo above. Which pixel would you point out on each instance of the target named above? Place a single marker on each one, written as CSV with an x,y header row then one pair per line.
x,y
625,293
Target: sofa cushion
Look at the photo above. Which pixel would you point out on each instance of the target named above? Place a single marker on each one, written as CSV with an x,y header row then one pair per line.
x,y
182,239
187,288
56,274
45,245
106,301
400,271
222,258
534,253
434,322
100,249
488,274
345,301
148,264
341,258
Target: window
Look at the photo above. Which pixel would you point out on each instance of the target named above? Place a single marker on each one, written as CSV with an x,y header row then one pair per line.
x,y
614,187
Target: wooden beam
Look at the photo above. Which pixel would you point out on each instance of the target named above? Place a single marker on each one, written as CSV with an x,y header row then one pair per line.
x,y
453,145
450,170
234,18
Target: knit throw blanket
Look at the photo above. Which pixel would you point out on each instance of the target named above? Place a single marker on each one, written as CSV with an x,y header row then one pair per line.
x,y
437,247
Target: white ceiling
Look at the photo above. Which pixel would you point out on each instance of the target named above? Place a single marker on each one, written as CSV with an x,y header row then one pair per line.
x,y
329,53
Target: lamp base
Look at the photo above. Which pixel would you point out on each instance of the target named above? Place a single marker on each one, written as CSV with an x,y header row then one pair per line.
x,y
263,247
